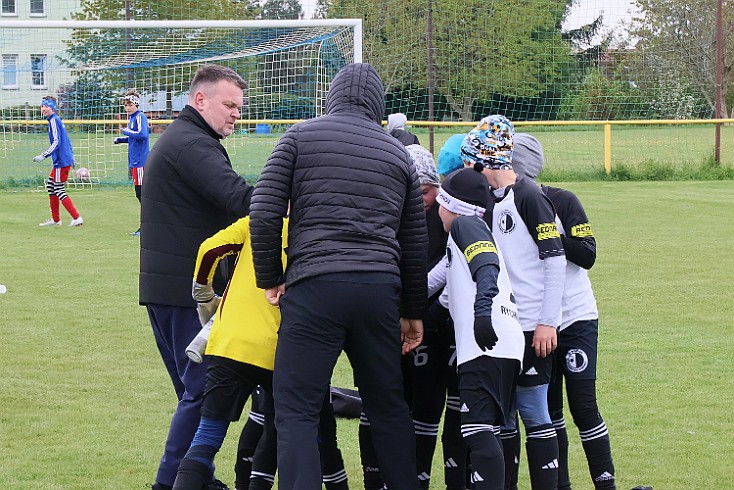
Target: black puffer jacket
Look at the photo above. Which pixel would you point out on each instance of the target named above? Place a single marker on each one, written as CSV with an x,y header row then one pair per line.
x,y
355,200
190,192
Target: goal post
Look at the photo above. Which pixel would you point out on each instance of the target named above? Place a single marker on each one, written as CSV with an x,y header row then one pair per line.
x,y
88,65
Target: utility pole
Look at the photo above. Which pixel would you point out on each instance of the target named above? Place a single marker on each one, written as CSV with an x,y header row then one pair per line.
x,y
719,79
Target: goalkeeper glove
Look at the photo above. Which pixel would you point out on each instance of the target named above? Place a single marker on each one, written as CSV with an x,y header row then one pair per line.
x,y
117,141
39,158
207,301
484,333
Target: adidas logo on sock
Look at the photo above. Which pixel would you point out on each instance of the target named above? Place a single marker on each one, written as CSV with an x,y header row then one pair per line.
x,y
475,477
604,477
464,408
450,463
553,465
531,372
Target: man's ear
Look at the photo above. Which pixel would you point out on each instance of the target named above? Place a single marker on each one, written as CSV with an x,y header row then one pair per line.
x,y
199,98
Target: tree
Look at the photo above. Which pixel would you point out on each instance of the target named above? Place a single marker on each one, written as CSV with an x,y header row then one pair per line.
x,y
481,47
677,46
282,10
87,48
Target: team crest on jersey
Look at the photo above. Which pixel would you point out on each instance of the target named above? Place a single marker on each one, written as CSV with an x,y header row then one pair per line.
x,y
576,360
506,222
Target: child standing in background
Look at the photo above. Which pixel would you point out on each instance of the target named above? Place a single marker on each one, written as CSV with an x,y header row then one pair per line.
x,y
62,156
136,136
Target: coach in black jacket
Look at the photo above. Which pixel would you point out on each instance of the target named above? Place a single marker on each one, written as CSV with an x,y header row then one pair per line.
x,y
356,263
190,193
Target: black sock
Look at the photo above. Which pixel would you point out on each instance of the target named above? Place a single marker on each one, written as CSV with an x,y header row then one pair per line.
x,y
599,455
192,475
488,463
370,466
249,438
454,448
542,450
425,447
564,480
511,452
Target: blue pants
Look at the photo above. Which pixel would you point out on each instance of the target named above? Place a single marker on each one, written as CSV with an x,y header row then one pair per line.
x,y
174,327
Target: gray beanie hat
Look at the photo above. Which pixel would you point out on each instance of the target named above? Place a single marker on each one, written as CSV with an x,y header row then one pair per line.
x,y
528,159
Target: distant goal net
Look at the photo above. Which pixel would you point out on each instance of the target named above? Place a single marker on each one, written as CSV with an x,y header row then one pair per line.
x,y
89,65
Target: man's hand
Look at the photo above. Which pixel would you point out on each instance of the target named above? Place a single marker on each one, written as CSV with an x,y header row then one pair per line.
x,y
273,294
39,158
117,141
411,333
545,340
484,333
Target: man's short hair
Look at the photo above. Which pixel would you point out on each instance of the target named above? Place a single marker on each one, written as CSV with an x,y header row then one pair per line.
x,y
132,91
211,74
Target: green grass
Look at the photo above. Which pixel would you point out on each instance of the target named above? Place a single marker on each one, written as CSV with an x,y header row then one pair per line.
x,y
86,401
572,153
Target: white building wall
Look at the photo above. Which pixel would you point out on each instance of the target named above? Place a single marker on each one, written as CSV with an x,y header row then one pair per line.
x,y
22,45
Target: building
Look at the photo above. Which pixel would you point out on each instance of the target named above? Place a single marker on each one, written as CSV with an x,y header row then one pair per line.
x,y
31,58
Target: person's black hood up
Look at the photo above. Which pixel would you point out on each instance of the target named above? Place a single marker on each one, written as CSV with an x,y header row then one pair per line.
x,y
357,88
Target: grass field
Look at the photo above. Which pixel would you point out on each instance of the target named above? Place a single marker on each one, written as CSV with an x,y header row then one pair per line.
x,y
572,153
86,400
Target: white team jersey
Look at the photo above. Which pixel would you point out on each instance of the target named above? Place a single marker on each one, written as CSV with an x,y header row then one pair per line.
x,y
579,302
524,227
461,292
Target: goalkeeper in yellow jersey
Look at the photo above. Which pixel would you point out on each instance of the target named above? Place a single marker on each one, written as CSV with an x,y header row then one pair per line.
x,y
241,353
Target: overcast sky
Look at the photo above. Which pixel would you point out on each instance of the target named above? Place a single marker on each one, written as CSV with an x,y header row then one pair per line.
x,y
615,11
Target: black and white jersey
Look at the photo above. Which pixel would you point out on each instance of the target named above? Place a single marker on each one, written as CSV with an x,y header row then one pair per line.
x,y
524,227
471,247
578,297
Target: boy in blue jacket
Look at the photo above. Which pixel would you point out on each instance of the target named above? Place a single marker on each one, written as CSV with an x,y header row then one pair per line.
x,y
62,156
136,136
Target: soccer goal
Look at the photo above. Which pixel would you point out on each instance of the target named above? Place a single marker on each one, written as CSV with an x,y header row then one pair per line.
x,y
88,65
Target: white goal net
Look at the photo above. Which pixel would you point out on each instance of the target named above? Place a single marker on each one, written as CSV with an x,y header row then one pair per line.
x,y
88,65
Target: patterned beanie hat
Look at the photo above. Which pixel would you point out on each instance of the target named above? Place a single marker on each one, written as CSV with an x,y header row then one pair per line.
x,y
490,144
424,165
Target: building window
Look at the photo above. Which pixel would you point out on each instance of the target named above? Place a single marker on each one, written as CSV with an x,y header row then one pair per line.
x,y
38,8
10,71
8,7
38,71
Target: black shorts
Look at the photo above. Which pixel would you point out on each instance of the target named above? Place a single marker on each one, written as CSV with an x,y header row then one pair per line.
x,y
228,386
535,370
577,350
487,389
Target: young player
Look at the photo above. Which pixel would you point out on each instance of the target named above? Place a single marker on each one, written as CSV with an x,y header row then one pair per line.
x,y
522,220
575,359
241,353
429,370
62,156
489,338
136,136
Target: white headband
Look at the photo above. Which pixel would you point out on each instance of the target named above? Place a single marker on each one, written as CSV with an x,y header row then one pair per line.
x,y
132,98
458,206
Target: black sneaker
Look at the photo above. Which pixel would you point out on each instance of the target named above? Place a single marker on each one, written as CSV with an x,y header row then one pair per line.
x,y
217,485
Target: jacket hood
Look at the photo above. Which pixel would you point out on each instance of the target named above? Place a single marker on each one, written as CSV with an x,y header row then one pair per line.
x,y
357,88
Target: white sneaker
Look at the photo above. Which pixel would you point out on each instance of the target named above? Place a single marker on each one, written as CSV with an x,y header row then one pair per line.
x,y
77,222
50,222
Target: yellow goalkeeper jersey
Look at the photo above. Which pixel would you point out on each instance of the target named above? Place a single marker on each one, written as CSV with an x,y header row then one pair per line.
x,y
245,327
